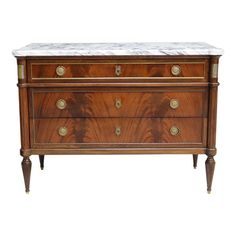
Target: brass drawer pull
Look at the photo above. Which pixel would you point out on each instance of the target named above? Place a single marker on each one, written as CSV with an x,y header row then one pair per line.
x,y
174,130
118,131
62,131
118,70
175,70
61,104
174,103
60,70
118,103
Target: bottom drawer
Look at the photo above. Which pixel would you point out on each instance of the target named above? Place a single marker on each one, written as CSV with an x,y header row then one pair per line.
x,y
118,131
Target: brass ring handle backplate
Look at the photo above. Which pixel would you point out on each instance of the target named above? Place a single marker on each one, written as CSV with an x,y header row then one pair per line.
x,y
60,70
174,103
174,130
118,70
118,131
61,104
175,70
118,103
62,131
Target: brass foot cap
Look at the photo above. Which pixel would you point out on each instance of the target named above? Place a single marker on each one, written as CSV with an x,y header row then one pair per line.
x,y
209,191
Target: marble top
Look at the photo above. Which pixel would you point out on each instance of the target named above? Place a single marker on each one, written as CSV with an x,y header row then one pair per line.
x,y
119,49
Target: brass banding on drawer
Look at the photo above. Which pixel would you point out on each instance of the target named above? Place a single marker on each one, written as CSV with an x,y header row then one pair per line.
x,y
119,130
149,70
118,104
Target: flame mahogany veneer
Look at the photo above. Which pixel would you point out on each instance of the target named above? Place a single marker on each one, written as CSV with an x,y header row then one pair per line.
x,y
118,105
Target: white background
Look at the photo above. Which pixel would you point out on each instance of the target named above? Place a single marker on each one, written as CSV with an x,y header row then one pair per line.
x,y
117,195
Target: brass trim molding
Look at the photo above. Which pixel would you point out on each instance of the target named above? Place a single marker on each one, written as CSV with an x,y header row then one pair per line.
x,y
119,62
123,63
20,69
115,78
214,70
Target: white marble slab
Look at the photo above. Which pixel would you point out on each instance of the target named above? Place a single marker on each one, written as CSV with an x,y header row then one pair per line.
x,y
119,49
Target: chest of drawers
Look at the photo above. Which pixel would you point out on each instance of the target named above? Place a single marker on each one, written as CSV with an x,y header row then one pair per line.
x,y
136,98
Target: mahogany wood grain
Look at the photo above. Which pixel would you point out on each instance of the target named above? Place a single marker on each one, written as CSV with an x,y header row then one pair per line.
x,y
104,104
212,118
210,167
26,168
131,85
117,150
24,108
91,87
195,69
133,130
78,70
212,109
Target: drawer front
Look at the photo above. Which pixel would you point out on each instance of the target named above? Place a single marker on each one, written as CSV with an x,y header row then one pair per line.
x,y
119,131
119,70
47,103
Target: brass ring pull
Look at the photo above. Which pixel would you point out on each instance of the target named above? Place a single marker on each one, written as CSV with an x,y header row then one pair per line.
x,y
62,131
174,130
61,104
60,70
118,131
118,103
175,70
118,70
174,103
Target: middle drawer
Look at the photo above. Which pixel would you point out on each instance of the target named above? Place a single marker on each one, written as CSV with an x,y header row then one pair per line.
x,y
114,104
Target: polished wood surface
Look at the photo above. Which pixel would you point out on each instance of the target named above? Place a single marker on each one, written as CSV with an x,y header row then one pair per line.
x,y
91,70
212,117
108,150
210,167
26,168
118,105
103,69
132,130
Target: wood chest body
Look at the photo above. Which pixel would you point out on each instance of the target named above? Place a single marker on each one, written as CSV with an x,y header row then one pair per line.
x,y
125,104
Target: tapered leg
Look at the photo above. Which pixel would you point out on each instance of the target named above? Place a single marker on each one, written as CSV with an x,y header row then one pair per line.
x,y
195,157
210,167
41,160
26,168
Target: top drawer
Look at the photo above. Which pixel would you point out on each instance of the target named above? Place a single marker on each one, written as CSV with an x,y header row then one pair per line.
x,y
60,70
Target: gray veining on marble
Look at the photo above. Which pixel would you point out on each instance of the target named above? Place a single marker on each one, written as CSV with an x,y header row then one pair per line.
x,y
118,49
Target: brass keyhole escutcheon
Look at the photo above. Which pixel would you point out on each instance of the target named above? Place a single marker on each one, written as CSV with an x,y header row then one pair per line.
x,y
60,70
175,70
118,131
61,104
118,103
174,103
174,130
118,70
62,131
